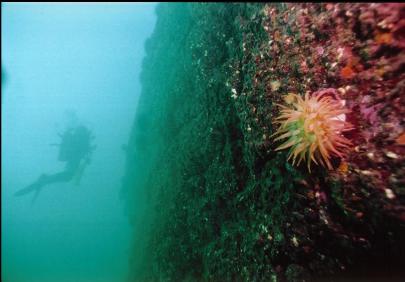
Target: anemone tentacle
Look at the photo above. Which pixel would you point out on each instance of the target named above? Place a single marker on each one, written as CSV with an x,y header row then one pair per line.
x,y
312,128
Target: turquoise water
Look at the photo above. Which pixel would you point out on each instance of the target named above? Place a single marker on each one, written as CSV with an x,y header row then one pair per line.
x,y
65,65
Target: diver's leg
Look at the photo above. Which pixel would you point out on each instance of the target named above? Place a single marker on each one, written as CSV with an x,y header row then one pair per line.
x,y
44,179
63,176
36,186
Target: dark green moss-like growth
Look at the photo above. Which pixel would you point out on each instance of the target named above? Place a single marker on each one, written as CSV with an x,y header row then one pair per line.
x,y
209,197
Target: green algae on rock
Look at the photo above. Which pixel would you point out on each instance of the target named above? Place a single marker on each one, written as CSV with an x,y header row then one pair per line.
x,y
211,199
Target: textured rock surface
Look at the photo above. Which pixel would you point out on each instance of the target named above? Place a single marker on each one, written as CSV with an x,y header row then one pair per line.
x,y
209,197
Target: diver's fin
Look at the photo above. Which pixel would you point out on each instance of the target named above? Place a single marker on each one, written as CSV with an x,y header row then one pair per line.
x,y
33,187
35,195
27,190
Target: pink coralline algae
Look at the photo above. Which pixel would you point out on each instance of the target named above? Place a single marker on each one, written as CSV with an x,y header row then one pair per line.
x,y
358,50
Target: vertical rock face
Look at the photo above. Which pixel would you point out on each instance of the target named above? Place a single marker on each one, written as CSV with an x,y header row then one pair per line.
x,y
211,199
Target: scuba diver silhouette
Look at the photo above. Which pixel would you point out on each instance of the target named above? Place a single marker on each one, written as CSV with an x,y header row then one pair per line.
x,y
75,149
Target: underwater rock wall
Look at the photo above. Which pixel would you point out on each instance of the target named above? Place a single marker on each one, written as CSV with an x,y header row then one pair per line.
x,y
209,196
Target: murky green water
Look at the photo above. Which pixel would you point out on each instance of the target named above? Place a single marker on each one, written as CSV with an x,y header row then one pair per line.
x,y
68,65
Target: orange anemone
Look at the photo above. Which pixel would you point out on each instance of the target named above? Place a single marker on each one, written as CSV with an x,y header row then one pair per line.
x,y
312,127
